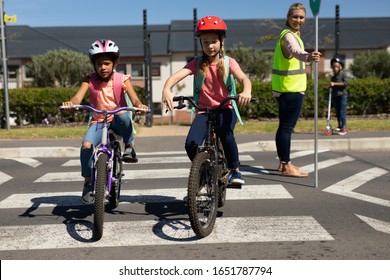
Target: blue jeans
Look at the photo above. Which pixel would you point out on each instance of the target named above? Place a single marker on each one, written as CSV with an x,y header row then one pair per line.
x,y
340,105
226,121
290,107
121,124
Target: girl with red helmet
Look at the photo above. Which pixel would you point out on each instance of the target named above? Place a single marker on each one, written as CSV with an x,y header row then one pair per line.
x,y
107,91
211,31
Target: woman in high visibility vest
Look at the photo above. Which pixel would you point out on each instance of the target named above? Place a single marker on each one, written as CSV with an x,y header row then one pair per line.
x,y
289,84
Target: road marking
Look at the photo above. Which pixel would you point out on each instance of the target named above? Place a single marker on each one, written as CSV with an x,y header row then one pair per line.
x,y
78,234
4,178
347,186
54,177
305,153
28,161
378,225
326,163
157,160
53,199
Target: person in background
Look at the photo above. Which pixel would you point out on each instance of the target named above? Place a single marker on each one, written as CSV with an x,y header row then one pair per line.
x,y
338,85
289,83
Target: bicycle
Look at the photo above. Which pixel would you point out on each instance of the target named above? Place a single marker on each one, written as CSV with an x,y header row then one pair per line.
x,y
207,182
107,167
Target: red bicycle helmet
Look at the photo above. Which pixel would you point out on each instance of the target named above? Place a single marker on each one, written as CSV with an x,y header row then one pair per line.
x,y
211,24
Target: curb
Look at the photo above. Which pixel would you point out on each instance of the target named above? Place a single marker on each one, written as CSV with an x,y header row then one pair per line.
x,y
366,144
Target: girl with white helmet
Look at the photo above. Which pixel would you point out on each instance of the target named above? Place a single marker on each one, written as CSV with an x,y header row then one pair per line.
x,y
107,91
211,31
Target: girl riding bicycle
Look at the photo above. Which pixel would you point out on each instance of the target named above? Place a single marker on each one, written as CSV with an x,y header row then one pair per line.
x,y
211,31
107,91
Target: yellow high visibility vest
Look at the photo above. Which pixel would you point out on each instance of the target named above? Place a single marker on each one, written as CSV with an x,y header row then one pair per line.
x,y
288,75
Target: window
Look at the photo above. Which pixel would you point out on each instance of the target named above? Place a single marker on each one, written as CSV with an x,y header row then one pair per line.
x,y
12,71
121,68
156,71
137,70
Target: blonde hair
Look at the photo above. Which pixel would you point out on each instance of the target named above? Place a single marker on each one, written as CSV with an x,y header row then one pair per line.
x,y
221,67
295,6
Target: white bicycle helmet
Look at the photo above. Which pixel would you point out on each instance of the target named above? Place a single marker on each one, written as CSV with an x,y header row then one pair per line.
x,y
103,47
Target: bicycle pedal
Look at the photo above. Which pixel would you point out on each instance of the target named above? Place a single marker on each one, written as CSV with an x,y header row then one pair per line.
x,y
234,186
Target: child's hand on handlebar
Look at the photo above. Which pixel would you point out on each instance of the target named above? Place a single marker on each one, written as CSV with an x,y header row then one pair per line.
x,y
244,99
167,99
68,103
141,106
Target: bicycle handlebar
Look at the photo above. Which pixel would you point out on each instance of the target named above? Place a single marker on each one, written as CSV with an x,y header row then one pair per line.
x,y
181,104
90,108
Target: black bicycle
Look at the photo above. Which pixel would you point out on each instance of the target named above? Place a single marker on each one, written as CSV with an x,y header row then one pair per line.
x,y
207,180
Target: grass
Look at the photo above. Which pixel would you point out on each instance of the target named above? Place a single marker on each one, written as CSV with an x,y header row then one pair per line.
x,y
250,127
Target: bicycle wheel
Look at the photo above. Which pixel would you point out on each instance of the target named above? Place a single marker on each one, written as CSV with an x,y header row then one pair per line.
x,y
100,195
222,173
116,179
202,195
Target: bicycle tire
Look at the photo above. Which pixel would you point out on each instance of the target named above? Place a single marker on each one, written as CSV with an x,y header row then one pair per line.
x,y
202,195
116,179
100,195
222,173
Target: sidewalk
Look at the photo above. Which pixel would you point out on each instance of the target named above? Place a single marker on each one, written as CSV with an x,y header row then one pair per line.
x,y
172,137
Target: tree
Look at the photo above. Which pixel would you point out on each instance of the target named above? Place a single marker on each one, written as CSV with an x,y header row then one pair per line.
x,y
373,64
59,68
254,62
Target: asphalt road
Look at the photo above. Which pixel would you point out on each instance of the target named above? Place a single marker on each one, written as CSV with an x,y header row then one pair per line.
x,y
272,217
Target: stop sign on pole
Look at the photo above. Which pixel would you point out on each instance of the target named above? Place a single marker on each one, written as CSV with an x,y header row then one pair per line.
x,y
315,6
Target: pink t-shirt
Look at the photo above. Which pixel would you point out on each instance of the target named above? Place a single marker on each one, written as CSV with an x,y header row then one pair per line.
x,y
213,90
106,99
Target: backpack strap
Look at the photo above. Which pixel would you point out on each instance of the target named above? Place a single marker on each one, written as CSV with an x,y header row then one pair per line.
x,y
229,82
231,86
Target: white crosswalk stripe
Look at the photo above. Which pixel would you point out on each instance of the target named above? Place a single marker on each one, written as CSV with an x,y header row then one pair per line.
x,y
157,160
4,178
164,232
27,200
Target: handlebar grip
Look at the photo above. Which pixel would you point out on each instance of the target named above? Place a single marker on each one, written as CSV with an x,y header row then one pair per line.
x,y
178,98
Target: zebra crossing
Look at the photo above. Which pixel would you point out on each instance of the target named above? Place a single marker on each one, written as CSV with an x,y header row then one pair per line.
x,y
173,230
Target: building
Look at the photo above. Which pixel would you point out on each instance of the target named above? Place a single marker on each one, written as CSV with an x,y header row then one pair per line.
x,y
172,45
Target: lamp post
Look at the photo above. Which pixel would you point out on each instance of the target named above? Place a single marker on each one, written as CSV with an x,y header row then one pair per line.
x,y
5,68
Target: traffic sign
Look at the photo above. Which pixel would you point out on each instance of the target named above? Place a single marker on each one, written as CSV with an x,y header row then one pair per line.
x,y
315,6
8,18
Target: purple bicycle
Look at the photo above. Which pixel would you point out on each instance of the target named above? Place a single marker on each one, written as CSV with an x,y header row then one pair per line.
x,y
107,169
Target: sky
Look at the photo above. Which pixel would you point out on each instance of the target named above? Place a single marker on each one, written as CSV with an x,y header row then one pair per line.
x,y
54,13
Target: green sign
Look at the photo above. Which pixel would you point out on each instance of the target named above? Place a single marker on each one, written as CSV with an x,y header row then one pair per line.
x,y
315,6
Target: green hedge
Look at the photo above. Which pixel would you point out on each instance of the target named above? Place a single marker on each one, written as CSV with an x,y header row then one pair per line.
x,y
366,96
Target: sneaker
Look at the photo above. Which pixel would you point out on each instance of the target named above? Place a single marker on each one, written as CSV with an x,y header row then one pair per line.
x,y
234,178
129,155
343,131
87,196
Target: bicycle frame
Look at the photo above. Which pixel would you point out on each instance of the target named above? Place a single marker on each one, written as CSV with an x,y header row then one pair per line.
x,y
104,146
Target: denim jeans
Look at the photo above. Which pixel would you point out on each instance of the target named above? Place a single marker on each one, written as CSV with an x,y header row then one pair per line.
x,y
340,105
121,124
290,107
226,121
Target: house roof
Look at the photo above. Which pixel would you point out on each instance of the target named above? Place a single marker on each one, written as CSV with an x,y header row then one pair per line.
x,y
25,42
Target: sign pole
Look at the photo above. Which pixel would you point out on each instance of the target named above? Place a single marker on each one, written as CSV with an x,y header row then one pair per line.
x,y
315,8
5,68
